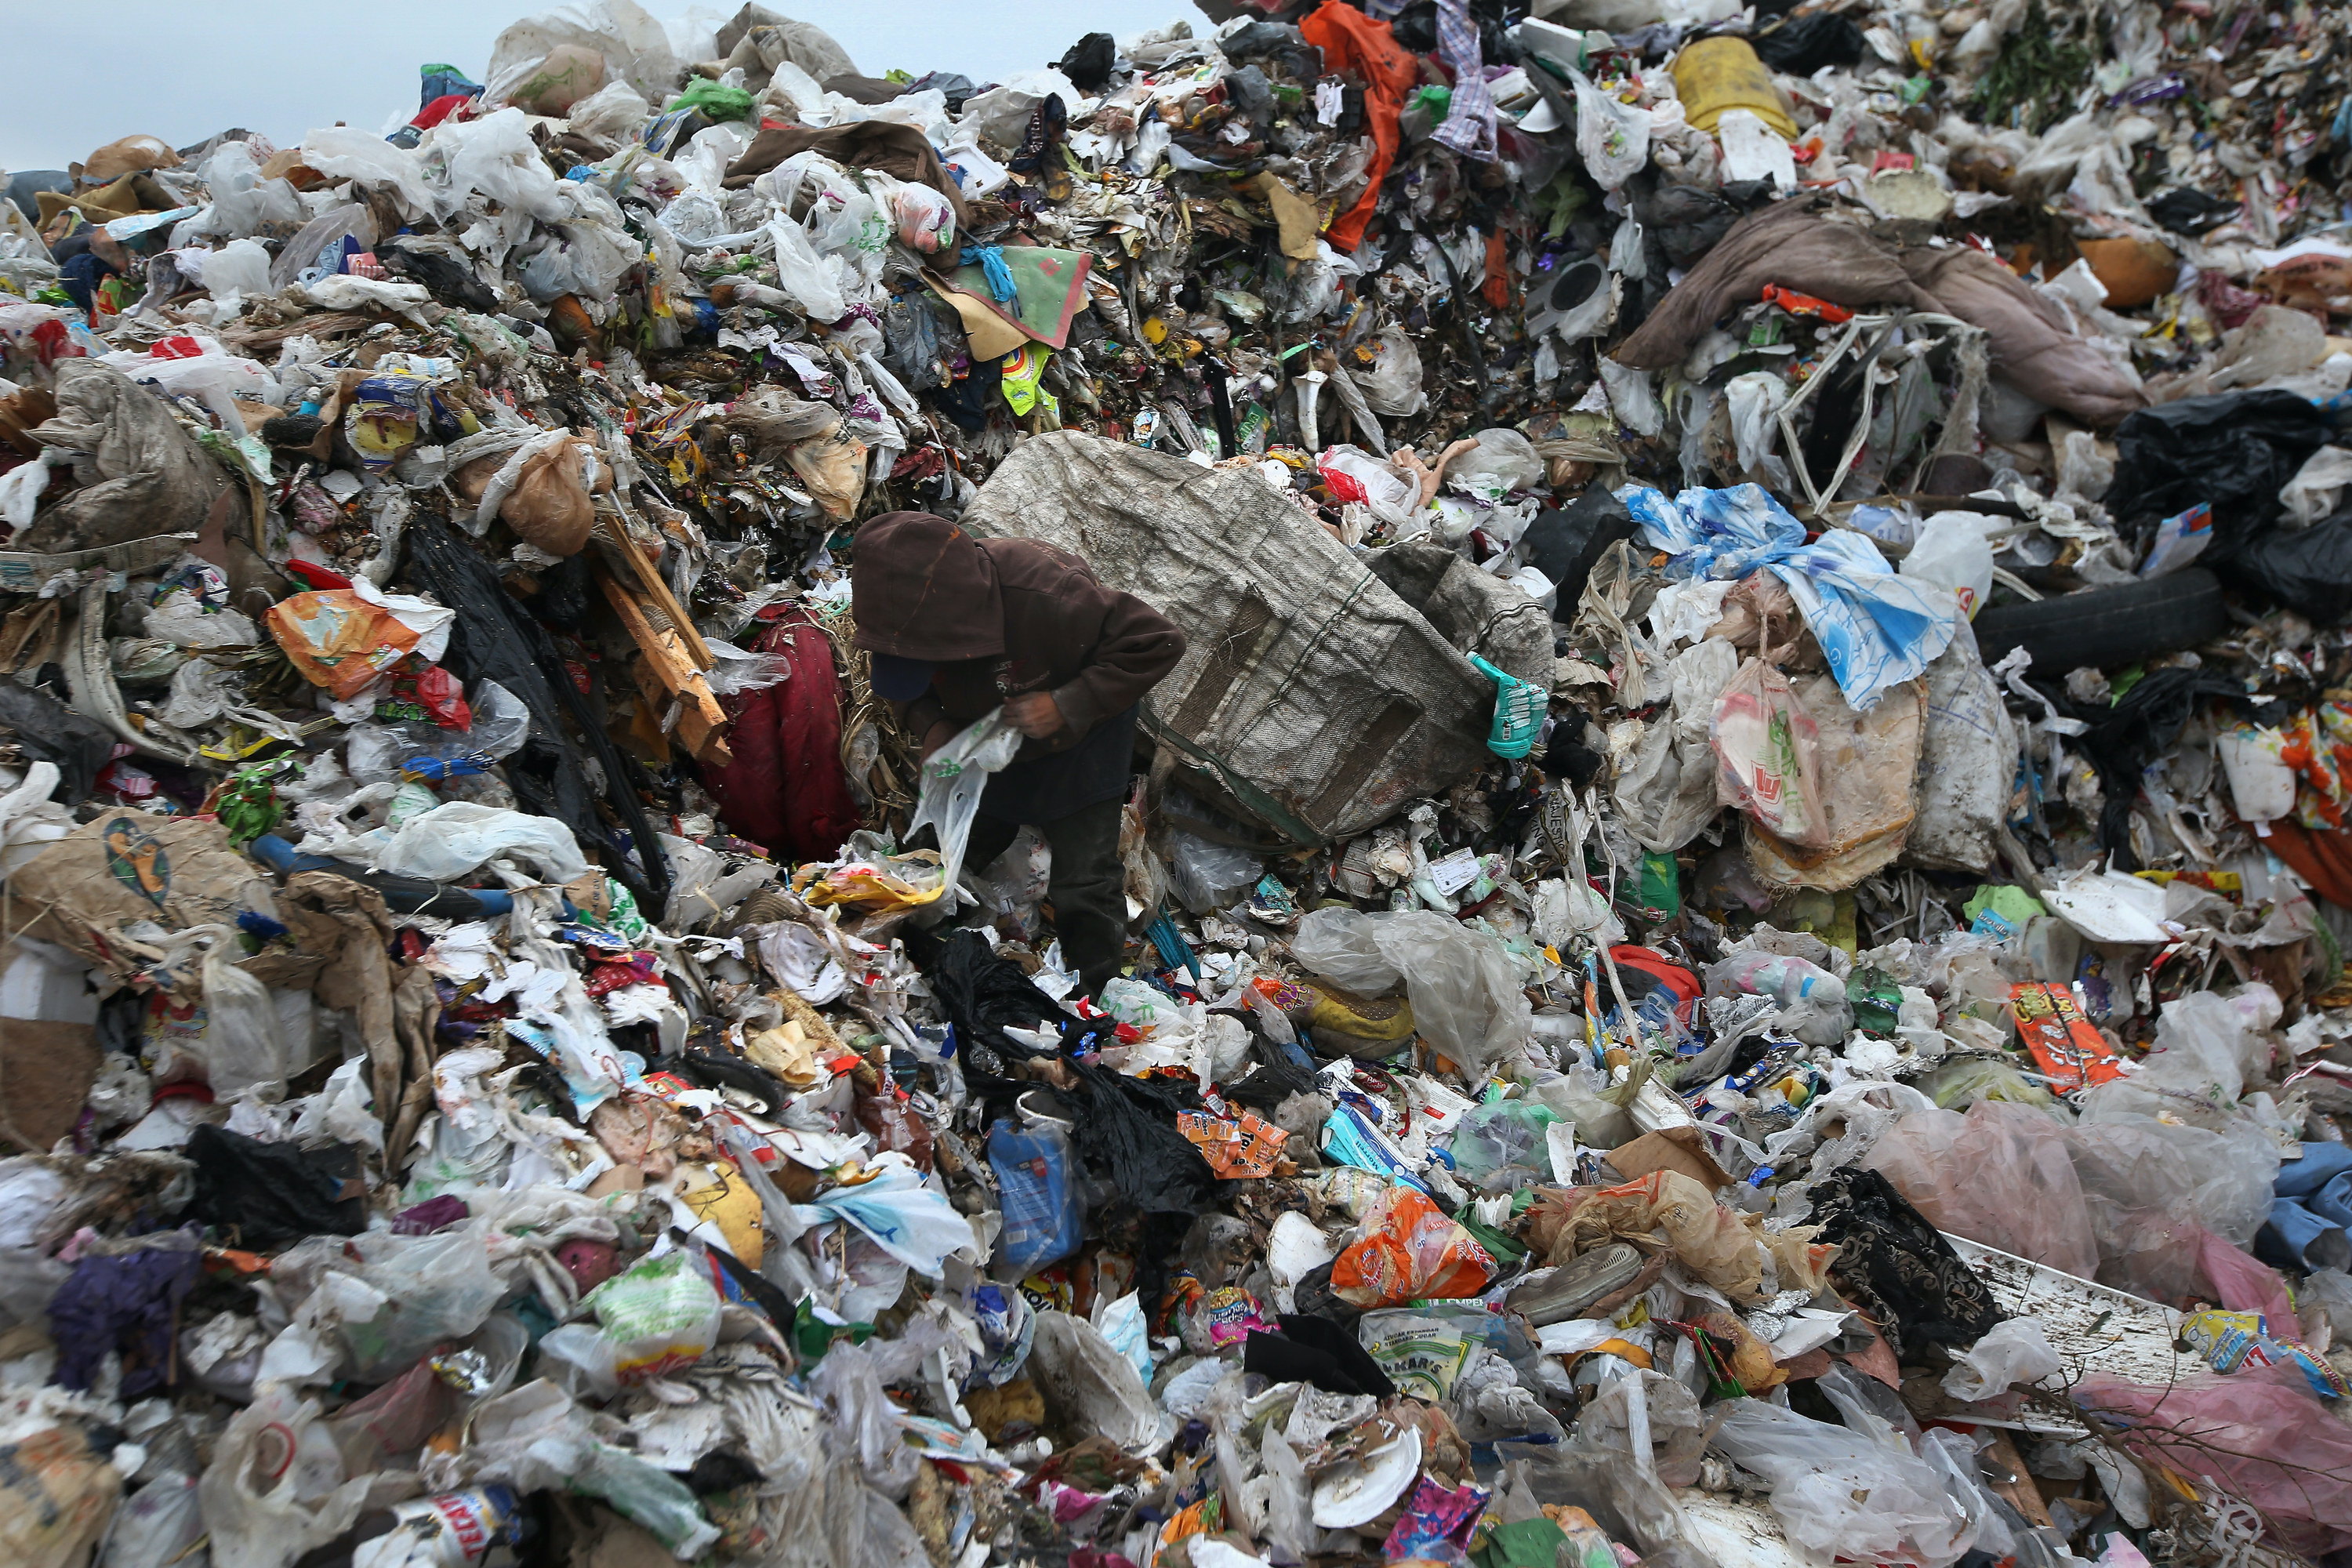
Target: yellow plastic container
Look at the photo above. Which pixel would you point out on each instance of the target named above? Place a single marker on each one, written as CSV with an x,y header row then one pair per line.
x,y
1722,73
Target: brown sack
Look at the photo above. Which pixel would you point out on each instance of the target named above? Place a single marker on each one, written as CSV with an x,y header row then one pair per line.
x,y
112,889
130,155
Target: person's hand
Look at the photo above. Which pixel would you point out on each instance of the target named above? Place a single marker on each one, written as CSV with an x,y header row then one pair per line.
x,y
1034,714
938,735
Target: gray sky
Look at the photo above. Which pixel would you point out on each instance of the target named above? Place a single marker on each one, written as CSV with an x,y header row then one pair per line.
x,y
182,72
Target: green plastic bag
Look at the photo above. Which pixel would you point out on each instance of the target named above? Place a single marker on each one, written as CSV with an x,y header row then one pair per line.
x,y
716,101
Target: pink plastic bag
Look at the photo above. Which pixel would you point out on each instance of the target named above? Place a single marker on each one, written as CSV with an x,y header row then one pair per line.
x,y
2001,1176
2257,1435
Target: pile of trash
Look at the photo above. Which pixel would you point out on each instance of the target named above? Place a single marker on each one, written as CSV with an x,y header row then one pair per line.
x,y
1736,910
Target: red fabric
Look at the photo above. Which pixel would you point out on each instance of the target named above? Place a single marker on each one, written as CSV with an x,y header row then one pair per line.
x,y
441,108
785,789
2322,856
1351,41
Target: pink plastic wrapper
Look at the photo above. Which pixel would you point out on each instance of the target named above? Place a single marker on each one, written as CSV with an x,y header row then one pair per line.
x,y
2001,1175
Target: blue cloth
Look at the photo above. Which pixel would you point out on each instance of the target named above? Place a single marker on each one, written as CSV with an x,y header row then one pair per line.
x,y
990,258
1876,629
2311,1213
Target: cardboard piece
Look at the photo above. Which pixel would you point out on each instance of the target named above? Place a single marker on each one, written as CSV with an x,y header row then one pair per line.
x,y
1678,1149
45,1071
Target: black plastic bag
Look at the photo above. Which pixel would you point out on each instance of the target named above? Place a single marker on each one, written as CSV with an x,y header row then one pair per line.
x,y
1803,45
2186,211
1564,544
495,638
1088,61
2306,570
1128,1131
49,731
1317,1351
2235,452
271,1194
982,993
2142,725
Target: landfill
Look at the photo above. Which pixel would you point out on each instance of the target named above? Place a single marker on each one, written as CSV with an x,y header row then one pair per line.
x,y
1430,783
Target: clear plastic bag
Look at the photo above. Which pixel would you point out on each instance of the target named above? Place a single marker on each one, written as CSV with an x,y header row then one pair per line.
x,y
1841,1495
1392,384
1814,1003
1767,755
1612,137
157,1524
954,778
1463,984
1090,1385
1507,1134
1210,876
433,1288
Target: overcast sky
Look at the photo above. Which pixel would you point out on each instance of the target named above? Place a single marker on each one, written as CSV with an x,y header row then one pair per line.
x,y
84,75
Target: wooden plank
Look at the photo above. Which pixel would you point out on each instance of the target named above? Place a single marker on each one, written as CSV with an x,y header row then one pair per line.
x,y
658,590
701,722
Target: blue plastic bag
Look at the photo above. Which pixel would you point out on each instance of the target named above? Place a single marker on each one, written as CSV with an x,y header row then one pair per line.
x,y
1877,629
1044,1221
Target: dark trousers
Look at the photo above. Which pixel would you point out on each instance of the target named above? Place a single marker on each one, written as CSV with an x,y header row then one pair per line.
x,y
1087,885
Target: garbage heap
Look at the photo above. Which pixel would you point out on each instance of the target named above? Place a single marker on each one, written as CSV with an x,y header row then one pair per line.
x,y
1739,906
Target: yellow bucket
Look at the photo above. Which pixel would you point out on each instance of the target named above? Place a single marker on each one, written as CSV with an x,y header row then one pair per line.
x,y
1721,73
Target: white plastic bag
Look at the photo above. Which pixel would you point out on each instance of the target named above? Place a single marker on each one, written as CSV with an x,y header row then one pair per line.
x,y
1392,498
1754,150
275,1488
454,839
954,777
2262,783
1951,552
1841,1495
2012,1352
240,1046
801,273
347,153
2317,486
236,272
1505,461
